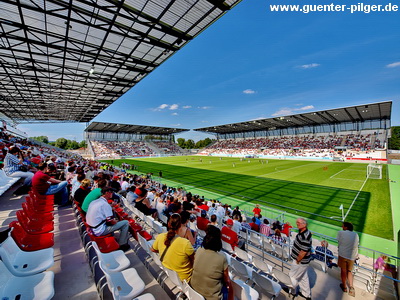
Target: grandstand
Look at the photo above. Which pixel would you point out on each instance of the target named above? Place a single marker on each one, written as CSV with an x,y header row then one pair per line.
x,y
110,140
350,133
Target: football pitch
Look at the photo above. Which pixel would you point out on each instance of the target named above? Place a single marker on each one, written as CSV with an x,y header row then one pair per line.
x,y
313,190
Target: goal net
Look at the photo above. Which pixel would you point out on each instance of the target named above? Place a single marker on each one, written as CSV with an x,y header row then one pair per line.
x,y
374,171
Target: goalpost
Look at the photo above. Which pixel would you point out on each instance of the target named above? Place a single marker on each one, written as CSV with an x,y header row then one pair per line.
x,y
374,171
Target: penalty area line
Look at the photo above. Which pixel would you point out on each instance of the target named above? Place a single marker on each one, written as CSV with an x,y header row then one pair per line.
x,y
337,173
355,198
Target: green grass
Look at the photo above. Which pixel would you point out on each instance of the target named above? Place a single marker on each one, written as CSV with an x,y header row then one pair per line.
x,y
314,190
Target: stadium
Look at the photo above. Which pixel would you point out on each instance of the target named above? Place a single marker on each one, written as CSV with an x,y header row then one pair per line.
x,y
327,166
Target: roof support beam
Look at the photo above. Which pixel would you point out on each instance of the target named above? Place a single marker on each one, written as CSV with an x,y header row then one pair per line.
x,y
319,114
332,117
220,4
349,115
359,115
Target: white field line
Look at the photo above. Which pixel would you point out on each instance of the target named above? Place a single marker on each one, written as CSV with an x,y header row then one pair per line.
x,y
355,198
348,179
353,170
337,173
283,170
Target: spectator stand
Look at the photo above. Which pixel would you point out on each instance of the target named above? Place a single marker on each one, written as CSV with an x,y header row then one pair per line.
x,y
110,140
311,135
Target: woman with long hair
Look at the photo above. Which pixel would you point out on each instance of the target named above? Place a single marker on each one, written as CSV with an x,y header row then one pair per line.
x,y
176,253
185,231
210,272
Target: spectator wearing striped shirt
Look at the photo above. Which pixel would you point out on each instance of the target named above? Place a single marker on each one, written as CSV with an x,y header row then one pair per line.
x,y
13,163
301,254
265,229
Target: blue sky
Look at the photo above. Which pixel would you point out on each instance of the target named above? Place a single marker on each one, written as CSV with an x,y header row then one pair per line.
x,y
253,63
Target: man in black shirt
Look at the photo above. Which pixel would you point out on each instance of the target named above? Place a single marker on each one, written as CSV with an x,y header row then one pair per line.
x,y
301,254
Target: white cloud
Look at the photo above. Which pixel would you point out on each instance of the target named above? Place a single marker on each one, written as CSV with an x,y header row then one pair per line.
x,y
258,118
174,114
204,121
310,66
166,106
248,91
307,107
393,65
175,125
204,107
289,111
163,106
186,106
283,112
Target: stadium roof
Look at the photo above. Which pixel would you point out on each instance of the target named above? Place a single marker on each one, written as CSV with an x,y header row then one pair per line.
x,y
360,113
69,60
135,129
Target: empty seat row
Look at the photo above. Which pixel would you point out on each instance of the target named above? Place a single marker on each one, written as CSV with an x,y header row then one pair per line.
x,y
239,268
26,254
33,230
110,266
6,182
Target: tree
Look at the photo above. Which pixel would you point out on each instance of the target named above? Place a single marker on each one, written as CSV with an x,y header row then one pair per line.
x,y
189,144
42,138
82,144
72,145
208,141
199,144
394,141
181,142
61,143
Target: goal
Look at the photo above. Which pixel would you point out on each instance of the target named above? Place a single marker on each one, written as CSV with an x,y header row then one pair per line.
x,y
374,171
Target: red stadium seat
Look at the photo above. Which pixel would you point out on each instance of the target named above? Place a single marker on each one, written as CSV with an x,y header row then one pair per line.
x,y
106,243
36,196
122,215
34,216
32,208
146,235
40,208
30,242
134,228
33,227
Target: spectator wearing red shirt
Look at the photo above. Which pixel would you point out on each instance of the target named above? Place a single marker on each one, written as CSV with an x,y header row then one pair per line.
x,y
257,210
231,237
286,228
254,226
202,221
202,206
43,184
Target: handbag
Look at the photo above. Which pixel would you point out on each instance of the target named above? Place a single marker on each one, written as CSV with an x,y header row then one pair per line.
x,y
23,168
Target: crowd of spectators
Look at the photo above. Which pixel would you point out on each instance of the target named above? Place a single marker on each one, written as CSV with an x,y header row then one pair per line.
x,y
300,146
104,149
30,152
114,149
168,148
